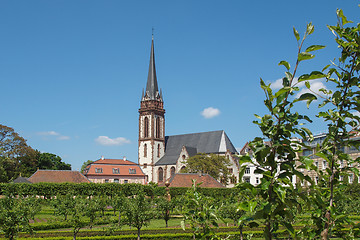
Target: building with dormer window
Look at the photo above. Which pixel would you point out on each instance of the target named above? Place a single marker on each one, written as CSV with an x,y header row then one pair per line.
x,y
114,171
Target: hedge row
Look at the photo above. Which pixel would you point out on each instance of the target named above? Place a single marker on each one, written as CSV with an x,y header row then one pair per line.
x,y
49,190
163,236
91,233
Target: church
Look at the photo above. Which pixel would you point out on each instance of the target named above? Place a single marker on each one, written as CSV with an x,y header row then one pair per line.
x,y
161,157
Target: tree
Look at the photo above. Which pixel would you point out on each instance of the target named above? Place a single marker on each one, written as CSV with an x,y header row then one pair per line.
x,y
139,211
201,213
15,213
276,161
212,164
15,154
51,161
164,208
11,144
77,214
342,104
85,164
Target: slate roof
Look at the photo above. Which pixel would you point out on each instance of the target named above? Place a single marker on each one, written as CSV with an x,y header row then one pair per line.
x,y
185,180
58,176
205,142
21,180
152,90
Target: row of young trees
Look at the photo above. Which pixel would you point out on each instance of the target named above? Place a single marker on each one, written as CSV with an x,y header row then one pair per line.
x,y
201,213
18,158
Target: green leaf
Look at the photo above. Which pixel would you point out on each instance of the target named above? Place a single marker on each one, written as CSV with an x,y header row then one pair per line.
x,y
309,28
307,96
285,64
343,18
314,48
296,34
305,56
307,84
313,75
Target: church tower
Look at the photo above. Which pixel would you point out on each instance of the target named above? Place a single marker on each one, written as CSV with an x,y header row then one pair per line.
x,y
151,122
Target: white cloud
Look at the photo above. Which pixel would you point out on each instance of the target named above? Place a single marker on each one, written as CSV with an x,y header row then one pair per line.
x,y
48,133
210,112
54,134
63,138
315,86
106,141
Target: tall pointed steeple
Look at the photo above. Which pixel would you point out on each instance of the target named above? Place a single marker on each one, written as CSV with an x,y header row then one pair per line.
x,y
151,123
152,90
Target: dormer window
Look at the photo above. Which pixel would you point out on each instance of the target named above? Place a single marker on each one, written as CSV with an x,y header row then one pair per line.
x,y
98,170
116,171
132,171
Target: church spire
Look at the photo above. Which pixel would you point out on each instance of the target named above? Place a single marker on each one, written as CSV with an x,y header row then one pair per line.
x,y
152,91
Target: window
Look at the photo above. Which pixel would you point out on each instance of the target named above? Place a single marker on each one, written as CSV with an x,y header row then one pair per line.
x,y
106,180
132,171
158,150
257,180
317,164
182,170
116,171
233,179
246,179
324,164
341,178
146,127
172,171
351,178
145,165
341,163
160,174
116,180
247,170
316,180
157,127
145,150
98,170
230,170
183,157
126,181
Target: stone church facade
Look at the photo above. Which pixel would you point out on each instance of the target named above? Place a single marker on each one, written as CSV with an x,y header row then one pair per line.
x,y
160,156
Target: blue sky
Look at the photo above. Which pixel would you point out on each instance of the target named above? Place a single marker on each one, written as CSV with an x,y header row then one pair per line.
x,y
72,72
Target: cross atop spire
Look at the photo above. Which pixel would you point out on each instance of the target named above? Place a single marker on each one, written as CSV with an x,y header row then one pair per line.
x,y
152,90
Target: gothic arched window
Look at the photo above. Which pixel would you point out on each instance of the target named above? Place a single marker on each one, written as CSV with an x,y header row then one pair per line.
x,y
146,127
145,150
161,174
157,127
158,150
172,171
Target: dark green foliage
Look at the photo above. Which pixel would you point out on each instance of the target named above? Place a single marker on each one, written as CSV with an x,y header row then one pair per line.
x,y
51,161
138,211
15,213
201,213
275,159
212,164
328,219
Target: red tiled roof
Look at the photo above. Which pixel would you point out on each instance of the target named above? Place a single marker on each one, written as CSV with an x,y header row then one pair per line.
x,y
114,161
107,169
185,180
58,176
